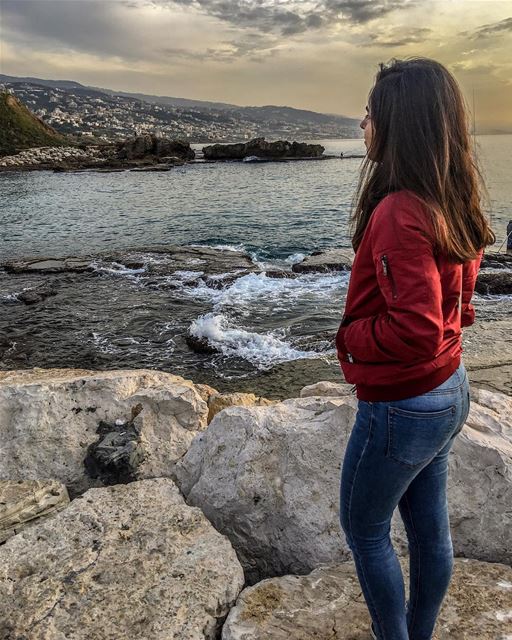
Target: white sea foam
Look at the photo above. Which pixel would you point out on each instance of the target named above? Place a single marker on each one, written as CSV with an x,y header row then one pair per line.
x,y
263,350
186,275
295,257
12,297
116,268
258,288
128,344
225,247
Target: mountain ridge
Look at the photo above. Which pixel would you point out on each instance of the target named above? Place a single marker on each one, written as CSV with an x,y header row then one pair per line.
x,y
157,99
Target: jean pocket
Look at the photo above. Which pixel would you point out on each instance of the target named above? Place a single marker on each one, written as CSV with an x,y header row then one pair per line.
x,y
414,437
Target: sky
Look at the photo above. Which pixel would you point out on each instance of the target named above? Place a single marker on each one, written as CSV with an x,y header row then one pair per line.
x,y
311,54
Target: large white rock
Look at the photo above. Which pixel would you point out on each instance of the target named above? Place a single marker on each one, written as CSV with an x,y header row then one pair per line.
x,y
480,480
327,389
127,561
328,603
269,478
49,417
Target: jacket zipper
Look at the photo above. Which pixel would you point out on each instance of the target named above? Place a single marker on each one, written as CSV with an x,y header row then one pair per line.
x,y
387,272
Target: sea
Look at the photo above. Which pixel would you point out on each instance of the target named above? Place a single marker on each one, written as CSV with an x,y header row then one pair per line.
x,y
119,317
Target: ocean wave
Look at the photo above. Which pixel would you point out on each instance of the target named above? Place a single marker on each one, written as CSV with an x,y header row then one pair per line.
x,y
258,288
261,349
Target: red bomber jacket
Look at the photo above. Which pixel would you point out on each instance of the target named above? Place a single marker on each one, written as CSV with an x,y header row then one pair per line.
x,y
400,335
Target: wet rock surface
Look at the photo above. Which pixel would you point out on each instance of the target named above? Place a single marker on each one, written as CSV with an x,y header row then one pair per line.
x,y
195,265
494,282
327,603
496,260
128,561
25,502
48,265
37,294
201,344
321,261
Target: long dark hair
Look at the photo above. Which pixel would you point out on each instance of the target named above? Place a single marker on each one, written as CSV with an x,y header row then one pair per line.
x,y
421,142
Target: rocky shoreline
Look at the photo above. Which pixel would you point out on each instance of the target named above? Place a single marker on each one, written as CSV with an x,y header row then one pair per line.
x,y
153,153
210,515
173,268
220,268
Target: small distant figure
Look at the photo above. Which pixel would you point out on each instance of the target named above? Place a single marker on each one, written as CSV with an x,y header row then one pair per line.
x,y
509,236
341,154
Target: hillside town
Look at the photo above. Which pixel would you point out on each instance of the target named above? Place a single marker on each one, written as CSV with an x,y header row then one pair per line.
x,y
93,114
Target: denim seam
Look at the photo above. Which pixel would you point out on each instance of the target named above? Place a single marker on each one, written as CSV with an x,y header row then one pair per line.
x,y
350,520
411,520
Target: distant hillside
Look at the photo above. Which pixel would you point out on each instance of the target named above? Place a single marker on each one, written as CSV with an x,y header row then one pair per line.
x,y
168,100
103,114
21,129
61,84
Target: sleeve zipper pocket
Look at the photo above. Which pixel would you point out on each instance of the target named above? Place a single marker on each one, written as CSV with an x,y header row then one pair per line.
x,y
387,272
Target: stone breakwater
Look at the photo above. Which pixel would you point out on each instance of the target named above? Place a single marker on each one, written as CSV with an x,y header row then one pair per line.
x,y
149,152
48,157
228,526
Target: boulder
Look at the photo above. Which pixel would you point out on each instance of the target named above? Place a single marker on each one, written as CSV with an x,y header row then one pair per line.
x,y
36,294
324,261
145,145
496,282
24,502
326,389
496,260
327,603
50,419
262,149
128,561
268,477
480,480
200,344
221,401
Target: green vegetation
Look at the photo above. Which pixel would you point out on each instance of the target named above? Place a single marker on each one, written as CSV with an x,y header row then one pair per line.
x,y
21,129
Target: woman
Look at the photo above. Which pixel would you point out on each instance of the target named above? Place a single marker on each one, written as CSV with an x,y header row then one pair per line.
x,y
419,239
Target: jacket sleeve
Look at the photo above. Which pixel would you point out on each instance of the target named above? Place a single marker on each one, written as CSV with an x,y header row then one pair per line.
x,y
469,275
412,327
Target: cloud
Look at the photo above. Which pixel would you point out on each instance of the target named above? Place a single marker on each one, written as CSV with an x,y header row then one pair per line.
x,y
398,37
256,48
87,26
251,29
363,11
487,30
291,17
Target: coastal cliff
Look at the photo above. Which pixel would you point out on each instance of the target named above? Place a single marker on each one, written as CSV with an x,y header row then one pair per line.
x,y
21,129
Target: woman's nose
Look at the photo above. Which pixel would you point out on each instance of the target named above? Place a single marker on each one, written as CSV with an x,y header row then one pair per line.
x,y
362,124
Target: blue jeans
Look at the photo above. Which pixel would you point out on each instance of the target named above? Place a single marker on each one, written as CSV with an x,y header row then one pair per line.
x,y
397,454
